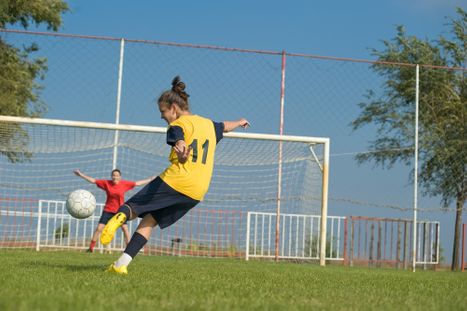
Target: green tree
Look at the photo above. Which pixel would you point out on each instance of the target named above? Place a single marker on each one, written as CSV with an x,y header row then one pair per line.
x,y
62,231
441,257
19,91
442,115
312,245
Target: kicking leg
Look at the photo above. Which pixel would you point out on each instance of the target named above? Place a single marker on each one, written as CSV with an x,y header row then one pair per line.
x,y
137,242
123,213
145,227
126,233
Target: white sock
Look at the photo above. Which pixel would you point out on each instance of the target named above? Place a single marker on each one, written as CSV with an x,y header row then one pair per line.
x,y
124,260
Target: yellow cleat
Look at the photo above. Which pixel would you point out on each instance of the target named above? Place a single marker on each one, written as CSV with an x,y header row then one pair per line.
x,y
112,226
121,270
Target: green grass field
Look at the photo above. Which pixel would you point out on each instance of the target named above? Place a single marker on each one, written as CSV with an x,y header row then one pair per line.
x,y
31,280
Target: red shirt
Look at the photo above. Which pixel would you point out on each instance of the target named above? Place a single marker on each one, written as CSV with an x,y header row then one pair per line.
x,y
115,193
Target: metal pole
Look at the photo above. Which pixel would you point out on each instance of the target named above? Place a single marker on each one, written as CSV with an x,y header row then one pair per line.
x,y
345,239
117,117
414,251
247,251
39,216
119,92
279,179
324,205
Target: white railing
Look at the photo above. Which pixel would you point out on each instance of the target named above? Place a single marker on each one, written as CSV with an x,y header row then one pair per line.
x,y
56,228
299,236
205,233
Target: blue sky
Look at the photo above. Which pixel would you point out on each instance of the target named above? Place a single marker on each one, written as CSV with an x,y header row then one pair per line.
x,y
343,29
329,28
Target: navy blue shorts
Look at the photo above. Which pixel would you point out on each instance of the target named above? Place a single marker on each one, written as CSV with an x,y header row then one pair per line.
x,y
105,217
164,203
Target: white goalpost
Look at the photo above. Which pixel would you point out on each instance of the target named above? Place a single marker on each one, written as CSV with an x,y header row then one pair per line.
x,y
38,157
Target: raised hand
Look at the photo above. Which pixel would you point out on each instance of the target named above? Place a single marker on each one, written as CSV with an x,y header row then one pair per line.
x,y
244,123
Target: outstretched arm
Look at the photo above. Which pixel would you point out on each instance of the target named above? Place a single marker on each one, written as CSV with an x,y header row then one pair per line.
x,y
90,179
232,125
142,182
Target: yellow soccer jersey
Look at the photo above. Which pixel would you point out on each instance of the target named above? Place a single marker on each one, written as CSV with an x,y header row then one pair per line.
x,y
192,178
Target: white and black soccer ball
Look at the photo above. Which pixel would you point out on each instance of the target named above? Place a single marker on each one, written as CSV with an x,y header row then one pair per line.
x,y
81,204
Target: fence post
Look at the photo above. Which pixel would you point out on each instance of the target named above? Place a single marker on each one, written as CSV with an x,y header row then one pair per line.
x,y
436,246
117,117
279,179
415,181
425,245
345,241
324,205
398,251
247,249
39,216
406,244
372,237
119,94
378,255
352,241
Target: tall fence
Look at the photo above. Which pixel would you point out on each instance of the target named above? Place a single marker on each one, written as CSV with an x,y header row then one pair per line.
x,y
378,242
88,77
389,241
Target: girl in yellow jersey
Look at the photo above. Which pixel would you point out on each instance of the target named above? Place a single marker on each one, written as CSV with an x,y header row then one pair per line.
x,y
183,184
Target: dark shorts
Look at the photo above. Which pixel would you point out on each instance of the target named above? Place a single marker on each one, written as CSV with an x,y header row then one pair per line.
x,y
160,200
105,217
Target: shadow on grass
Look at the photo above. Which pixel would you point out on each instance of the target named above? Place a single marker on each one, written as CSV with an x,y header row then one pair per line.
x,y
71,267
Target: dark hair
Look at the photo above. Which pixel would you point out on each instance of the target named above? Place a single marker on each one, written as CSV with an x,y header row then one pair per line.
x,y
176,95
116,171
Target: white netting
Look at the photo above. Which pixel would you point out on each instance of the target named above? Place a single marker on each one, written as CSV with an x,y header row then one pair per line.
x,y
245,178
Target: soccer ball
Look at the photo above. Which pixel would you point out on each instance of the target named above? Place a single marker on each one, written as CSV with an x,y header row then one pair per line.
x,y
81,204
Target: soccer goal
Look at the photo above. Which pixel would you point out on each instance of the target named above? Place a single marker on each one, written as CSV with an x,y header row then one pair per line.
x,y
275,174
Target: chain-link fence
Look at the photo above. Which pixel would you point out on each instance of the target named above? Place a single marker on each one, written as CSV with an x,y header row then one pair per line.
x,y
370,125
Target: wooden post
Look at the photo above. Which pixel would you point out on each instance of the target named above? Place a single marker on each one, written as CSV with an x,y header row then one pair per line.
x,y
352,239
345,241
425,237
398,250
372,238
406,244
378,256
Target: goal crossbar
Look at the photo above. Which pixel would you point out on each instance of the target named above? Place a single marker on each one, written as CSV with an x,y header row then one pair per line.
x,y
155,129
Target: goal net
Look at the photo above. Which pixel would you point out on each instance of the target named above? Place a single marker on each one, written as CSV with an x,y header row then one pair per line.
x,y
252,173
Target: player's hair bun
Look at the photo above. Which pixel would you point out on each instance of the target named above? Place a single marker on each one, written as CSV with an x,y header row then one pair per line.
x,y
179,87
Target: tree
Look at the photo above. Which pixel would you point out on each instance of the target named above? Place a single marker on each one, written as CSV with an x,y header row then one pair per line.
x,y
19,91
442,115
441,258
311,246
62,232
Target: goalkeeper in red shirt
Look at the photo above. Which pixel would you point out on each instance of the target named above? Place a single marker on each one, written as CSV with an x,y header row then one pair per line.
x,y
115,190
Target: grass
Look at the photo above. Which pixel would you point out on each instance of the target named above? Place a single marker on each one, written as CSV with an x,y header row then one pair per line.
x,y
31,280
